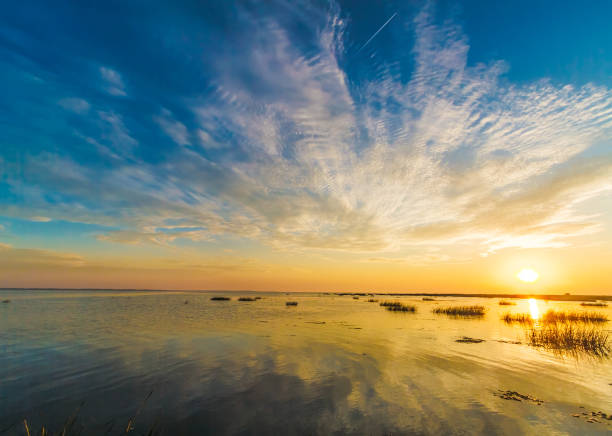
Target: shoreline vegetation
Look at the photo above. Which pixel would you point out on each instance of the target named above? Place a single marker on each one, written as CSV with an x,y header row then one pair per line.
x,y
551,297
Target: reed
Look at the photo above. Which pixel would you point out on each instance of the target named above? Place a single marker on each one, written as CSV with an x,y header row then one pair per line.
x,y
372,300
522,318
291,303
467,311
220,298
593,304
428,299
247,299
507,303
553,316
570,336
396,306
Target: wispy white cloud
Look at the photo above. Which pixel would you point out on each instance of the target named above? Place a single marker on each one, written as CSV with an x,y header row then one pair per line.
x,y
173,128
114,82
76,105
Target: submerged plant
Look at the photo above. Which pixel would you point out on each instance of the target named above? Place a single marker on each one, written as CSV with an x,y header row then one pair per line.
x,y
466,311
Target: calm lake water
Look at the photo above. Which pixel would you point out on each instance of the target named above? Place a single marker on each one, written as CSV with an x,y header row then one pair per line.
x,y
333,364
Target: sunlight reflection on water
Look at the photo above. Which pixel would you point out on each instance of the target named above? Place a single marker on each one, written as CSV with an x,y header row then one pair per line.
x,y
330,364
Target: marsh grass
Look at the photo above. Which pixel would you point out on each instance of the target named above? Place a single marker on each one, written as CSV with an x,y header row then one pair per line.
x,y
247,299
372,300
570,336
521,318
355,298
396,306
428,299
554,316
593,304
291,303
461,311
220,298
507,303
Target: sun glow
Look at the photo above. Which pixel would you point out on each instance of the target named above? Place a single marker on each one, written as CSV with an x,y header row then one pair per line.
x,y
527,275
533,309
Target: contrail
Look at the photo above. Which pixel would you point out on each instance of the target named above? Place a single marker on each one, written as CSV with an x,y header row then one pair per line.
x,y
377,32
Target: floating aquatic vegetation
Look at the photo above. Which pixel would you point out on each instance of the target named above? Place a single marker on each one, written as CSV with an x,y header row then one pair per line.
x,y
507,303
593,304
468,340
247,299
428,299
291,303
220,298
372,300
516,396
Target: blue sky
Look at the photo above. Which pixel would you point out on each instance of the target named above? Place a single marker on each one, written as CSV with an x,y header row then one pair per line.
x,y
273,127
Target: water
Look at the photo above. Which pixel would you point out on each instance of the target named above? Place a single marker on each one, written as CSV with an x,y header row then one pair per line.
x,y
332,364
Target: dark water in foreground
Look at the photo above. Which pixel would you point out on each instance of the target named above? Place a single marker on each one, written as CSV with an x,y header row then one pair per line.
x,y
330,365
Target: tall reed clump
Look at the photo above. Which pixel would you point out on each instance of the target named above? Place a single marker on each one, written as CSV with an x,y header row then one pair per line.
x,y
291,303
467,311
570,336
220,298
507,303
553,316
396,306
594,304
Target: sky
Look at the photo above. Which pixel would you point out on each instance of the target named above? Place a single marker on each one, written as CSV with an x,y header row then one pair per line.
x,y
306,145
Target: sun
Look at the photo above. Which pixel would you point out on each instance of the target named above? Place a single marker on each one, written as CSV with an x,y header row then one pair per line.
x,y
527,275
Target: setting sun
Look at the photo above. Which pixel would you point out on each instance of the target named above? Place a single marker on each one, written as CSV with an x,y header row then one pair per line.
x,y
527,275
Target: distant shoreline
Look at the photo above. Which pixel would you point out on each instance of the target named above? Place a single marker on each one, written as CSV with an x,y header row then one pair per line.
x,y
552,297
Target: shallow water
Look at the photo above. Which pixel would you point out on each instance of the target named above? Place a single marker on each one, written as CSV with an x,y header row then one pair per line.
x,y
331,364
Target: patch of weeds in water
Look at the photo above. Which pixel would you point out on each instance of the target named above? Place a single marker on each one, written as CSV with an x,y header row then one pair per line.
x,y
521,318
396,306
468,340
6,301
291,303
553,316
428,299
593,304
507,303
247,299
570,337
355,298
461,311
220,298
372,300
